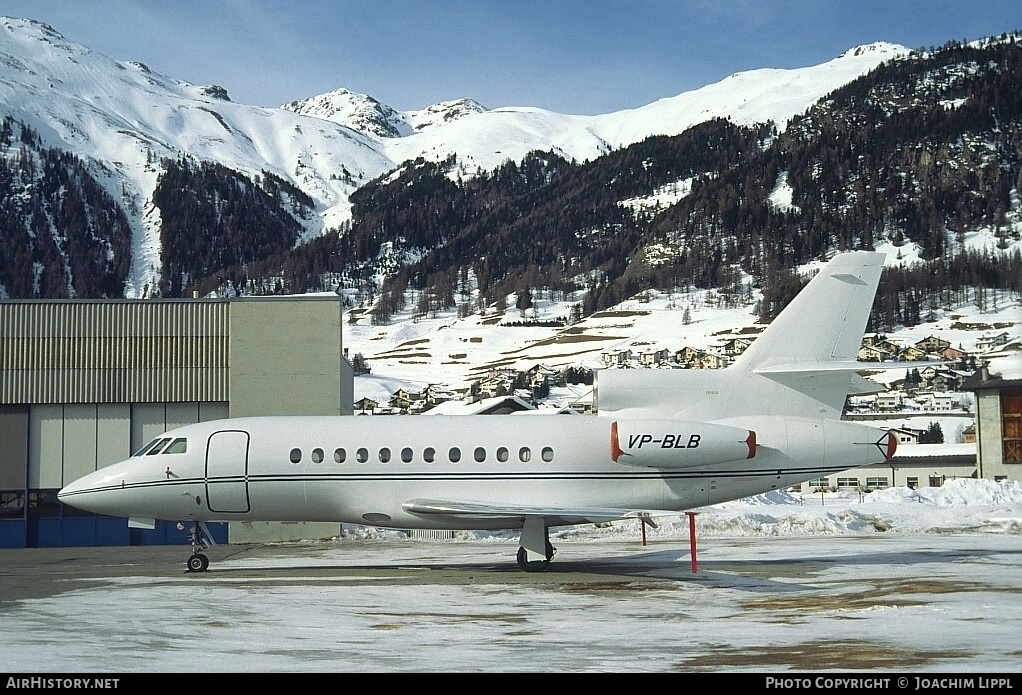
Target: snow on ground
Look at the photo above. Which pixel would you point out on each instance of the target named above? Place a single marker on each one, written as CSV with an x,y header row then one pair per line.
x,y
898,582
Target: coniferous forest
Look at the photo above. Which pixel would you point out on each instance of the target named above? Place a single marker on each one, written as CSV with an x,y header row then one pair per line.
x,y
924,150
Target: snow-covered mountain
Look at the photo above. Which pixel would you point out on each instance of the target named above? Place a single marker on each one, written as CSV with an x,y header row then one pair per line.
x,y
124,117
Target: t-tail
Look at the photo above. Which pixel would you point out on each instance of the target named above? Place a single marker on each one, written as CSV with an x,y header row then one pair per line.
x,y
802,365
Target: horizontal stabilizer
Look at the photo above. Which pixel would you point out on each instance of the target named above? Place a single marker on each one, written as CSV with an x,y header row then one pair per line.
x,y
843,366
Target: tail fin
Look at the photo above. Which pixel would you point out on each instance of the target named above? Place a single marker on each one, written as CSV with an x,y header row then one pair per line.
x,y
812,345
802,365
824,323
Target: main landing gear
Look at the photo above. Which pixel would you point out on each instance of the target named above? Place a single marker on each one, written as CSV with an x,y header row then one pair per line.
x,y
201,540
535,543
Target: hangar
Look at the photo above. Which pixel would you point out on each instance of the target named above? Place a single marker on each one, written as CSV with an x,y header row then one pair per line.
x,y
84,383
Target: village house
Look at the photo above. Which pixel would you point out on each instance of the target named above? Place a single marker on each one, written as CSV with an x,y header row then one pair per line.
x,y
654,358
932,344
951,353
618,358
366,404
887,401
872,353
989,342
913,354
688,356
710,360
736,346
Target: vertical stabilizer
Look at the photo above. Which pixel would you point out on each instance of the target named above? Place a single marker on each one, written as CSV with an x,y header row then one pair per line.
x,y
824,322
812,345
802,365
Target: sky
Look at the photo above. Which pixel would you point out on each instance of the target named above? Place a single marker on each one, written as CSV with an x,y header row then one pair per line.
x,y
895,583
571,56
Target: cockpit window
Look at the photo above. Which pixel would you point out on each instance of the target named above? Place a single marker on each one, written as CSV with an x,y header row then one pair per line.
x,y
178,446
147,447
158,447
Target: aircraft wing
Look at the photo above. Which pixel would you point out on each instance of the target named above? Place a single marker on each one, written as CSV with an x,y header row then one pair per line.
x,y
562,515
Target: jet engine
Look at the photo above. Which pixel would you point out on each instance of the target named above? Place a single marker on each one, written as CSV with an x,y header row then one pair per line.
x,y
678,443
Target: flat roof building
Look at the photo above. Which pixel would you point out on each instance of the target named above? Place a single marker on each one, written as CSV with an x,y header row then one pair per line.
x,y
84,383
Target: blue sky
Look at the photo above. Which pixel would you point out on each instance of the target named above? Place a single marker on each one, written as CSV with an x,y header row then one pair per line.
x,y
570,56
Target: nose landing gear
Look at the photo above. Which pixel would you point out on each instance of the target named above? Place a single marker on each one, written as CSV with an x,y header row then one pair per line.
x,y
201,540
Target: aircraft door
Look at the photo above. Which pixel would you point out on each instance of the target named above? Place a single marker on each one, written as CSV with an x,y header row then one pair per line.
x,y
227,472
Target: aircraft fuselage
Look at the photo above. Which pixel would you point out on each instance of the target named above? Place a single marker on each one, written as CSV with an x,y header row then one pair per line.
x,y
363,470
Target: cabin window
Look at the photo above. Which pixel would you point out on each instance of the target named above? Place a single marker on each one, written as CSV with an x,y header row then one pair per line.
x,y
454,454
340,455
524,454
384,455
406,455
548,454
296,456
429,454
317,456
480,454
502,454
178,446
362,455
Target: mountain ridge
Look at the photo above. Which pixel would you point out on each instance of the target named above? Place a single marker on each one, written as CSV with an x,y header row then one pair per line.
x,y
124,117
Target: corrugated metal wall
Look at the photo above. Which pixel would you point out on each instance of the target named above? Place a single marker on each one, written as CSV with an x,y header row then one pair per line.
x,y
114,351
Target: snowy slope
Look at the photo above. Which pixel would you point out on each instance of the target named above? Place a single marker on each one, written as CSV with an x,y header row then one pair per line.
x,y
124,117
443,349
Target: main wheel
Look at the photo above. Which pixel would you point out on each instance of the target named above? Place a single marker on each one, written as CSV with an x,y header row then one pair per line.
x,y
198,563
536,566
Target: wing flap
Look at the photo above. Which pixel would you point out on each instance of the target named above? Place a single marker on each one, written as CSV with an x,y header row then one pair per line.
x,y
477,510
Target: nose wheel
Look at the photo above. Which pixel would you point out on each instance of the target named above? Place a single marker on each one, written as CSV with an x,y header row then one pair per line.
x,y
201,539
198,563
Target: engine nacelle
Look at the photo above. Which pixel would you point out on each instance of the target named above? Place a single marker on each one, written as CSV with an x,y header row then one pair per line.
x,y
678,443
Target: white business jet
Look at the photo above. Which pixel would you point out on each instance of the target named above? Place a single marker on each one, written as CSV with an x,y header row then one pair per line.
x,y
664,441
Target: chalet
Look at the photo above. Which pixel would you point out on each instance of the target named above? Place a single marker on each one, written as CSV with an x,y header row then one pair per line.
x,y
736,346
932,344
906,435
711,361
872,353
888,401
688,355
502,405
881,342
950,353
433,395
618,358
494,387
363,404
653,358
941,378
913,354
542,375
402,399
989,342
938,402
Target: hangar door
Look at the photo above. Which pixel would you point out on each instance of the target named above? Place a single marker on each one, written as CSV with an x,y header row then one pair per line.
x,y
227,472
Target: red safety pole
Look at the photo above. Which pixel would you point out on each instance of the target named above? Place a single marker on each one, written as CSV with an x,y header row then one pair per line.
x,y
692,539
643,524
